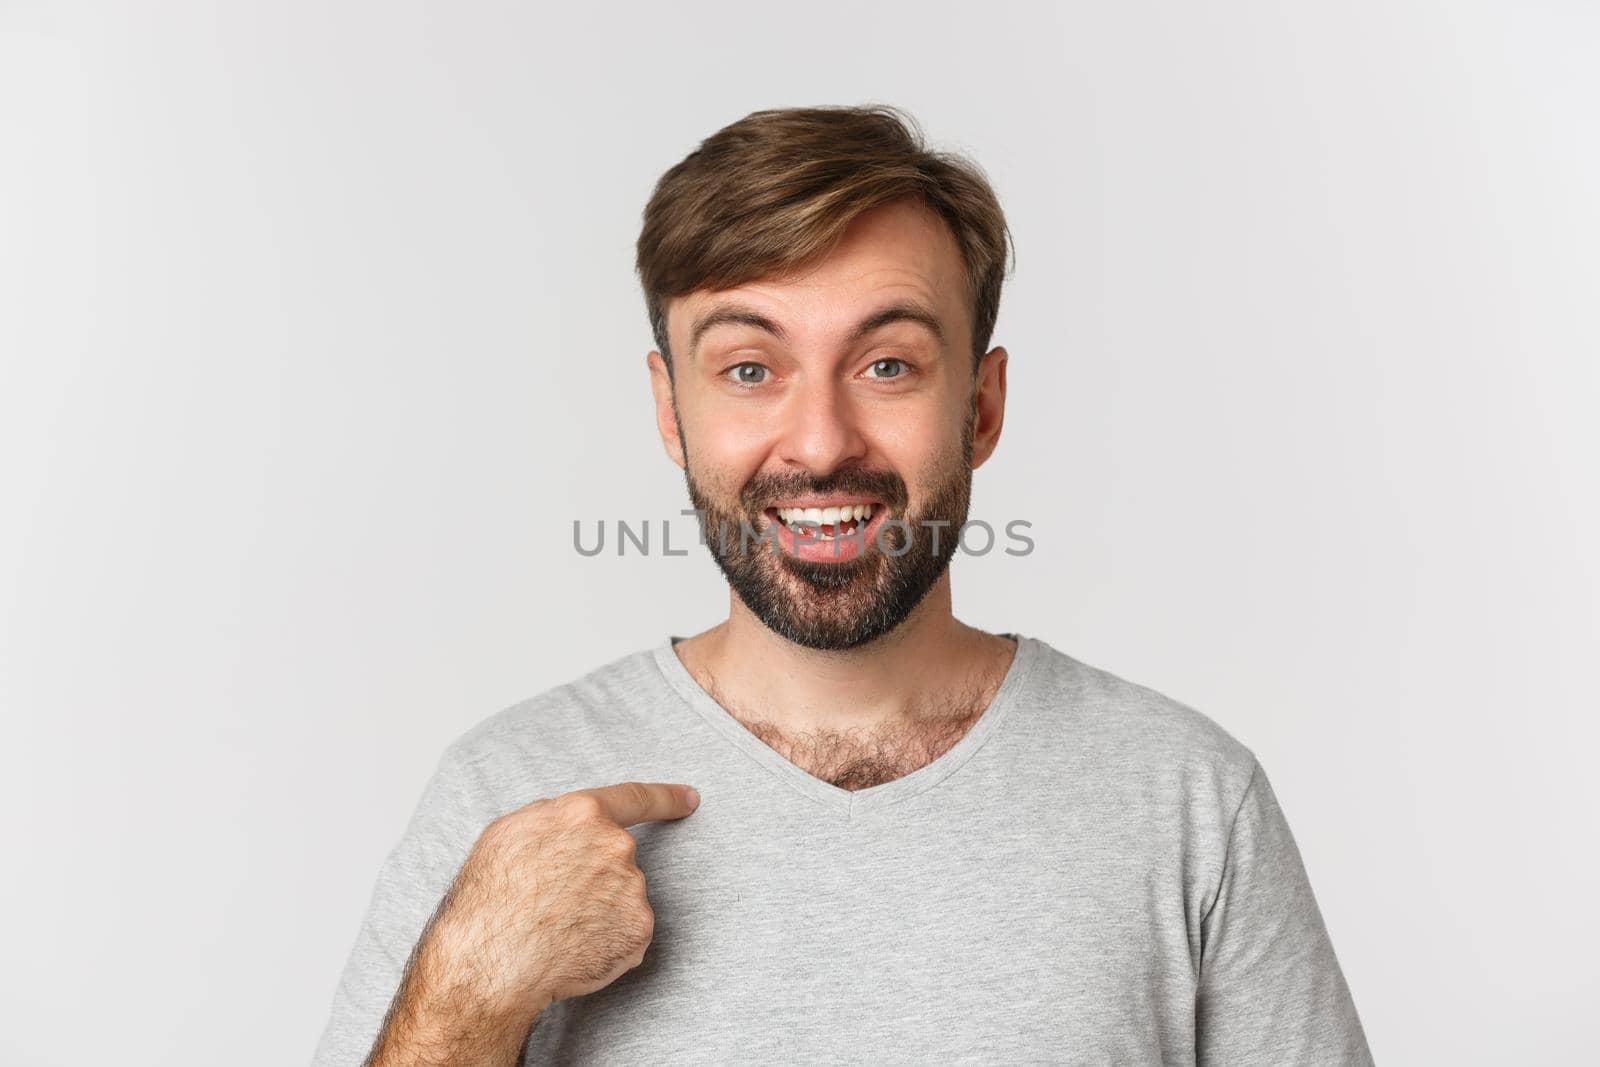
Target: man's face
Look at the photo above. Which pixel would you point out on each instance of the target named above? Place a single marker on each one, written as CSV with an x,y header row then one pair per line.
x,y
848,389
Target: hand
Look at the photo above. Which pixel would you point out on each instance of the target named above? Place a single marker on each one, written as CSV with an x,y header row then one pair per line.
x,y
549,904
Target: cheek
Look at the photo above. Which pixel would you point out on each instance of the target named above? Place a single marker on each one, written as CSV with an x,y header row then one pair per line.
x,y
921,450
723,454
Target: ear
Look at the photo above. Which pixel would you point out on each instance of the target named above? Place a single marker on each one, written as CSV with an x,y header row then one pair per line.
x,y
990,402
666,413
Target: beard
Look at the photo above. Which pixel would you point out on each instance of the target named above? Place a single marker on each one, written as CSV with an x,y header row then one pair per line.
x,y
844,604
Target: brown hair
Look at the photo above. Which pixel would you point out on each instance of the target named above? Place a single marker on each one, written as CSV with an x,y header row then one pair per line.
x,y
773,193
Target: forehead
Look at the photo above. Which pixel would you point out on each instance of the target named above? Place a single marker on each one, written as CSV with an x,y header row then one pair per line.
x,y
896,251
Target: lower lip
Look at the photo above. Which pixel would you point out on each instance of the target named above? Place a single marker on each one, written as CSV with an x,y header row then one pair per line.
x,y
841,549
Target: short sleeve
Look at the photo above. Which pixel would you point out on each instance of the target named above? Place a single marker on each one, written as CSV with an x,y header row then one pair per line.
x,y
1271,990
410,884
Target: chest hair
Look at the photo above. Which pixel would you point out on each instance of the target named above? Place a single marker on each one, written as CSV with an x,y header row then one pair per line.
x,y
864,757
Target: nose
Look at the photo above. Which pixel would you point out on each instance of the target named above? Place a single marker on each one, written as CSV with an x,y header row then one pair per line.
x,y
820,431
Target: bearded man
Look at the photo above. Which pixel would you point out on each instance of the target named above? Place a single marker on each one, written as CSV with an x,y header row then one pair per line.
x,y
841,825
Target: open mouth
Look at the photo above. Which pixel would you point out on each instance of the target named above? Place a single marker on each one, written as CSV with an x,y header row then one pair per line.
x,y
834,533
825,524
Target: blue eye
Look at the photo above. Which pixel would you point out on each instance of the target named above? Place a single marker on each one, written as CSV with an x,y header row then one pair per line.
x,y
747,374
889,368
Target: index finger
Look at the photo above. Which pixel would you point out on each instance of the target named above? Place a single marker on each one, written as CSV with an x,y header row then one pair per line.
x,y
627,803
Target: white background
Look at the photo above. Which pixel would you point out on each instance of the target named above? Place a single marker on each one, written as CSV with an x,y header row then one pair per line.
x,y
319,329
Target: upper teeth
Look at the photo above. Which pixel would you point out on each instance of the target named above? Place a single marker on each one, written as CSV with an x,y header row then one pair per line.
x,y
825,516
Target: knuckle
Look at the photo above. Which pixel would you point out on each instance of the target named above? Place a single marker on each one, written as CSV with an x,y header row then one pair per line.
x,y
581,807
622,845
638,795
636,882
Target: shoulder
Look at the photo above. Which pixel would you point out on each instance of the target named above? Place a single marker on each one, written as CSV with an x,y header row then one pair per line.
x,y
553,739
1137,731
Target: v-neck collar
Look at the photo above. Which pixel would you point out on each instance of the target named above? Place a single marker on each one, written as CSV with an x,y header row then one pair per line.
x,y
845,801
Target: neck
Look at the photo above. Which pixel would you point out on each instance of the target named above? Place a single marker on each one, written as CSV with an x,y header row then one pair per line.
x,y
898,680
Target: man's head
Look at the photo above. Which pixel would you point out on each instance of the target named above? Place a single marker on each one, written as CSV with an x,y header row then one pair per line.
x,y
822,290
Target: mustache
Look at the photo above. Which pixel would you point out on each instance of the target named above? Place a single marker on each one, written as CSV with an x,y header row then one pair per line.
x,y
763,490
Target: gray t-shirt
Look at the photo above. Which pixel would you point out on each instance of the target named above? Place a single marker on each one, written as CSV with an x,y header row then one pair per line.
x,y
1094,874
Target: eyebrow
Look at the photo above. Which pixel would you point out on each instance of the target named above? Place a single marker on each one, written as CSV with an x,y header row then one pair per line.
x,y
744,315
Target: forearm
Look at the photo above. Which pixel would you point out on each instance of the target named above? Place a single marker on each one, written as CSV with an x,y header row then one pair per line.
x,y
421,1036
442,1015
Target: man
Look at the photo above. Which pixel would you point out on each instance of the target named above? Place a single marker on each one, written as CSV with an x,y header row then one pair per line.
x,y
912,841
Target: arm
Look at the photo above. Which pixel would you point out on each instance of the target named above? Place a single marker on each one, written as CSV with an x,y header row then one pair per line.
x,y
546,904
437,1017
1271,990
410,884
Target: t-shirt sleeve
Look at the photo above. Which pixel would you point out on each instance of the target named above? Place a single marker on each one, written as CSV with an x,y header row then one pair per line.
x,y
411,882
1271,990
